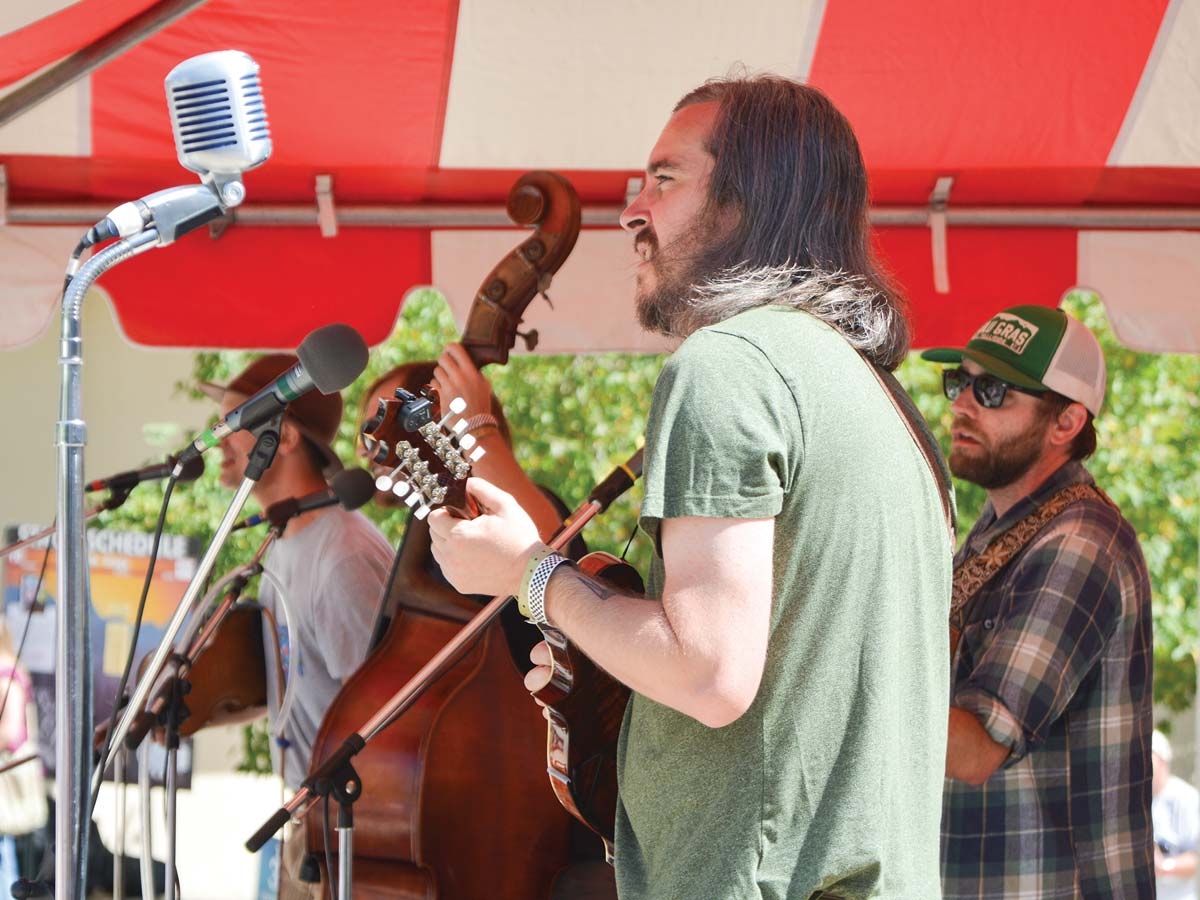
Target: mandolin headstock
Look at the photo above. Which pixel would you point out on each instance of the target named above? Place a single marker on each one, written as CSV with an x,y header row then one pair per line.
x,y
429,453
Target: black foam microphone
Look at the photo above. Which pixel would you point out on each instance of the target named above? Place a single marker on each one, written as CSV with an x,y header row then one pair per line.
x,y
330,359
192,469
351,488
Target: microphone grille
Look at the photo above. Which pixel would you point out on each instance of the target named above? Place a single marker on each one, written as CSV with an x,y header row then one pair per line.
x,y
352,487
333,356
192,469
217,113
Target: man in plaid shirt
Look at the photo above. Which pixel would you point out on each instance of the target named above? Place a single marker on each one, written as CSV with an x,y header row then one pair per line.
x,y
1048,759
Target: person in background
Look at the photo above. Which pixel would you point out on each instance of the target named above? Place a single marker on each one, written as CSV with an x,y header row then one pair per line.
x,y
1176,813
330,566
16,694
1047,792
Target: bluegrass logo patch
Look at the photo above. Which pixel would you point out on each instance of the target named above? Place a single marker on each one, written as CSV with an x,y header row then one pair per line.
x,y
1011,332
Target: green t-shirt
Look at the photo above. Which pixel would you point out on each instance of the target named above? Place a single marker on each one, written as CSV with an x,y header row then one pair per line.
x,y
832,780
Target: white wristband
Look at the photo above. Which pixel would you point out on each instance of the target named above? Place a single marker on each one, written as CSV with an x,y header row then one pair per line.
x,y
531,601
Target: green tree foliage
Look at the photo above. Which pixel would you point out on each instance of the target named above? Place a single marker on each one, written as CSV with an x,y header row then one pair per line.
x,y
1147,463
575,417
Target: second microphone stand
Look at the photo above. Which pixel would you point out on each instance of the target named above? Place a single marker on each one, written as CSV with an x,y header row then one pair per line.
x,y
260,459
169,709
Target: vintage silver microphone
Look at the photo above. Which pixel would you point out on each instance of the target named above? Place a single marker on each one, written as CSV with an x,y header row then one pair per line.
x,y
220,127
219,120
220,131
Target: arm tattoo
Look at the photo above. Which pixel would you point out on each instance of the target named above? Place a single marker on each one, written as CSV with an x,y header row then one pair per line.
x,y
601,590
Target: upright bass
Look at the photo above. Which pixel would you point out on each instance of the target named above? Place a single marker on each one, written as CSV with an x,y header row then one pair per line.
x,y
453,803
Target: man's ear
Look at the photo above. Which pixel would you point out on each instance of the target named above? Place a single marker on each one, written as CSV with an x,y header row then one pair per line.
x,y
1067,424
289,436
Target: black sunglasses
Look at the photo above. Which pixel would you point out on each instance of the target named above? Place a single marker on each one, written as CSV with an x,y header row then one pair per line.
x,y
988,389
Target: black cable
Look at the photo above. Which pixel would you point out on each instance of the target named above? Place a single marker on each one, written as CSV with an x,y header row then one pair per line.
x,y
629,543
86,241
137,624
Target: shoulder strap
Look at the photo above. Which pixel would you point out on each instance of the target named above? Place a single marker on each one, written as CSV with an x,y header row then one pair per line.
x,y
925,441
978,570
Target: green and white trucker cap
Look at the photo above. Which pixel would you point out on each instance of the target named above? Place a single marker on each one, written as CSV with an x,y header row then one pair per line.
x,y
1040,348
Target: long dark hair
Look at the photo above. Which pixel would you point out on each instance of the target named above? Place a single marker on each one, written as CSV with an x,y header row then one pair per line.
x,y
787,161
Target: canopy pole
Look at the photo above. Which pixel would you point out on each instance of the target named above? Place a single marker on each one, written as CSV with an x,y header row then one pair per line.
x,y
415,215
82,62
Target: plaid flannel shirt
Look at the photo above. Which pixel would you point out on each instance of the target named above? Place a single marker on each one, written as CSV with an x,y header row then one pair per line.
x,y
1056,662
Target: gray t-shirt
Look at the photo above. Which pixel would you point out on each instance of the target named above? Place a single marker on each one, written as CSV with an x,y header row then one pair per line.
x,y
832,779
333,575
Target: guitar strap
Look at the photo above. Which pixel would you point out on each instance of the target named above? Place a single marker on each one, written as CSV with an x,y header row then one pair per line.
x,y
925,441
977,571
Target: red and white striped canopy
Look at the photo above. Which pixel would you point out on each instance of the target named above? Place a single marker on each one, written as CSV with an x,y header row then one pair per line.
x,y
1065,136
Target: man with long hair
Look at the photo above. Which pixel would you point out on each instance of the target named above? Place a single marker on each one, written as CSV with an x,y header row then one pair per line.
x,y
785,738
1048,762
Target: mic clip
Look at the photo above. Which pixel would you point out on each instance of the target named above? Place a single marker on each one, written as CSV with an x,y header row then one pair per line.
x,y
116,498
216,227
263,453
172,213
279,514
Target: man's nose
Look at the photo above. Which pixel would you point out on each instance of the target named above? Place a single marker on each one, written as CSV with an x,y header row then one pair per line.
x,y
965,403
636,215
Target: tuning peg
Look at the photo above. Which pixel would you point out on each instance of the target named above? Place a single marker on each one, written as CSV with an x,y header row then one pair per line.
x,y
530,337
457,405
387,482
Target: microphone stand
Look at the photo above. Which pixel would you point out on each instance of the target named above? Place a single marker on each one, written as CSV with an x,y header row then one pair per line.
x,y
73,707
119,853
260,458
146,863
336,775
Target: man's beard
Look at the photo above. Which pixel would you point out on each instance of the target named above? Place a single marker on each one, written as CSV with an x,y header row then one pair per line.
x,y
667,307
1002,464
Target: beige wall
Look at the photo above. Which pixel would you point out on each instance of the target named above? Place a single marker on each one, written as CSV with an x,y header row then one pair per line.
x,y
125,389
